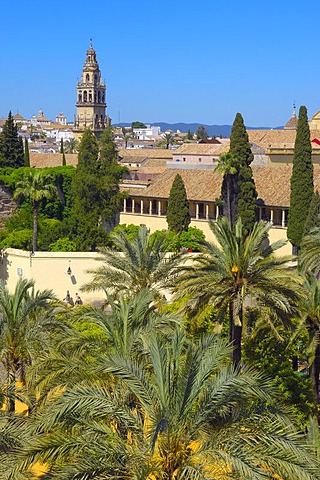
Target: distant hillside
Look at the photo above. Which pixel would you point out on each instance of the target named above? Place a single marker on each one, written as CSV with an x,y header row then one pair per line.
x,y
213,130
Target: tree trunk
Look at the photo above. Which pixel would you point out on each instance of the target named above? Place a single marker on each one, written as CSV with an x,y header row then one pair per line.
x,y
235,336
11,386
35,225
314,373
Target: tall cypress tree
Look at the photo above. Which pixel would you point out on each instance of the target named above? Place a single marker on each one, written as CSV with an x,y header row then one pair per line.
x,y
178,215
244,187
11,146
64,162
26,153
301,181
95,190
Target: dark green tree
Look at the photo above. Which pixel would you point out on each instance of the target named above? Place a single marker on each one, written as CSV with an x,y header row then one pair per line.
x,y
246,195
301,181
313,218
95,190
64,162
11,146
26,153
228,166
201,133
138,124
189,135
178,216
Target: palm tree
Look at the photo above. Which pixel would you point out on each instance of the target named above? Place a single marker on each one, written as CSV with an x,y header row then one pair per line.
x,y
180,411
134,265
168,139
239,270
310,321
71,145
35,187
309,254
26,318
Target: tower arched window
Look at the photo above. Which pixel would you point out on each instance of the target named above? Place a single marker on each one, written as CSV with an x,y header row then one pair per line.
x,y
95,97
95,78
99,97
103,97
90,97
80,97
87,77
85,96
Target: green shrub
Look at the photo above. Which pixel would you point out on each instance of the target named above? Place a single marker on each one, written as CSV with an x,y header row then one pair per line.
x,y
18,239
63,245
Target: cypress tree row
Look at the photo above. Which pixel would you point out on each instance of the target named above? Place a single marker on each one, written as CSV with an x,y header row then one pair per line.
x,y
178,216
301,181
11,146
26,153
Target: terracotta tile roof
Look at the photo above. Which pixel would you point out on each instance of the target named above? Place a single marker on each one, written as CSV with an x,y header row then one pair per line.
x,y
272,183
277,138
146,153
153,165
41,160
132,159
202,149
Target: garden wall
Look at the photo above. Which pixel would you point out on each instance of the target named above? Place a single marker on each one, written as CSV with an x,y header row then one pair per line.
x,y
50,271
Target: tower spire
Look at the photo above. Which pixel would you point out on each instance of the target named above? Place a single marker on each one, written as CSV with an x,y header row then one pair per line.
x,y
91,97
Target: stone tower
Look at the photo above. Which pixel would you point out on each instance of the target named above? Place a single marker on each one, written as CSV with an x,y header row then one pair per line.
x,y
91,98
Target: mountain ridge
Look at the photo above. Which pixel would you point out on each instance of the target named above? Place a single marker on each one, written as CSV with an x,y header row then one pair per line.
x,y
212,130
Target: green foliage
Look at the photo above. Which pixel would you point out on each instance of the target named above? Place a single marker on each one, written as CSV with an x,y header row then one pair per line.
x,y
11,146
191,239
59,206
201,133
313,218
96,199
178,215
246,194
190,135
50,230
301,181
273,356
37,187
63,245
173,242
18,239
130,230
138,124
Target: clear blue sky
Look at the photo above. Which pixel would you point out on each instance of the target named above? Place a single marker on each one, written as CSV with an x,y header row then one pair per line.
x,y
177,61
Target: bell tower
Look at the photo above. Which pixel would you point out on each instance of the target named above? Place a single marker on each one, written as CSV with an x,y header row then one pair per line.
x,y
91,98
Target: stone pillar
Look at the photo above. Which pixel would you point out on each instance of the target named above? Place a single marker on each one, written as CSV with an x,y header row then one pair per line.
x,y
207,211
283,221
150,207
159,207
124,205
133,205
271,215
197,211
141,206
217,212
260,213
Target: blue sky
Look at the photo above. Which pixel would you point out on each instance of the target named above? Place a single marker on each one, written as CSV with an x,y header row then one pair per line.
x,y
177,61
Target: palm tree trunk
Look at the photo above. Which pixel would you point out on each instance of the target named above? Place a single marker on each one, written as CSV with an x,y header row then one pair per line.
x,y
35,225
314,373
235,336
11,386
